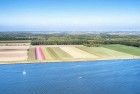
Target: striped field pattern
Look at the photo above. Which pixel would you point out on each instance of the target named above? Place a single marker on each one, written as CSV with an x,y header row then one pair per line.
x,y
70,53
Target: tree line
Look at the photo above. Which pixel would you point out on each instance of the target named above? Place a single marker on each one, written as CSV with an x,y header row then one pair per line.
x,y
69,39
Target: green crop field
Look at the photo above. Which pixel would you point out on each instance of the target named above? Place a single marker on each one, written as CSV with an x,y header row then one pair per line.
x,y
104,52
46,53
52,53
62,54
31,54
125,49
99,51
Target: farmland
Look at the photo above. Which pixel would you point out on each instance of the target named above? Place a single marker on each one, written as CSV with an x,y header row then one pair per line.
x,y
80,53
104,53
56,53
125,49
13,53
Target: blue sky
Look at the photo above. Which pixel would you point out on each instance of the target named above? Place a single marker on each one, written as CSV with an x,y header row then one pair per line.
x,y
69,15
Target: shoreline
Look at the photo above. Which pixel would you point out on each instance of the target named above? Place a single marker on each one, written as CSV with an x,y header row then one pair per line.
x,y
63,61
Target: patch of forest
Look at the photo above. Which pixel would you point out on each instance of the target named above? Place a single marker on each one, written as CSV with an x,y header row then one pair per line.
x,y
71,39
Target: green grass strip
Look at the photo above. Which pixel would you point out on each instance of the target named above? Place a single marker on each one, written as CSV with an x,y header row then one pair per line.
x,y
125,49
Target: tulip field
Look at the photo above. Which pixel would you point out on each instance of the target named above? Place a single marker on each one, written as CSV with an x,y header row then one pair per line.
x,y
39,53
55,53
76,53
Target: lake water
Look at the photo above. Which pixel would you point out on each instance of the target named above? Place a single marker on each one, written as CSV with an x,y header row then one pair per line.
x,y
97,77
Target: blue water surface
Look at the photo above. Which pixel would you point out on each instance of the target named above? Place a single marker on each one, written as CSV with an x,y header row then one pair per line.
x,y
96,77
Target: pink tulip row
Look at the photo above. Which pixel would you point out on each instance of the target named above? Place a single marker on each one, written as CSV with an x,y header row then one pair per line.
x,y
39,53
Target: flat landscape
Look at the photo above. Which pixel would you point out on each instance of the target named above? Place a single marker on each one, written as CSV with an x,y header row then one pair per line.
x,y
57,53
50,53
